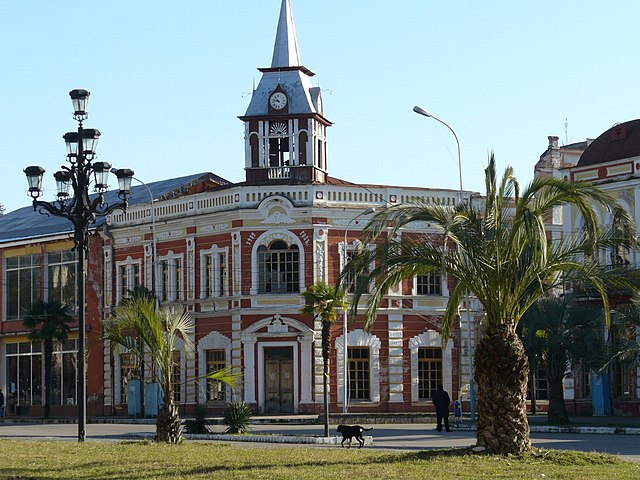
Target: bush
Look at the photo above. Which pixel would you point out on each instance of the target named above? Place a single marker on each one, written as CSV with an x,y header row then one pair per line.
x,y
237,417
199,423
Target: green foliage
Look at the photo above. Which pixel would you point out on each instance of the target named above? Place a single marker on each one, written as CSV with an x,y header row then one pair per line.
x,y
237,417
199,423
48,321
323,301
499,251
225,375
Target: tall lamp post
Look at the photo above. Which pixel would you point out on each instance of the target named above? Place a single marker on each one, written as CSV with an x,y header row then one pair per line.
x,y
345,349
81,210
472,393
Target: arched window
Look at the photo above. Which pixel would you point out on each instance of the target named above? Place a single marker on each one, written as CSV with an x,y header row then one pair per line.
x,y
278,268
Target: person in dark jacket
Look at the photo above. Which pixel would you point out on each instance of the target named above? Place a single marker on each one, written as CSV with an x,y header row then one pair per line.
x,y
442,402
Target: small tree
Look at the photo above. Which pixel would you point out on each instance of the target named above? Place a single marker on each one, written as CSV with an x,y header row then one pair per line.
x,y
559,332
48,322
324,302
132,300
159,330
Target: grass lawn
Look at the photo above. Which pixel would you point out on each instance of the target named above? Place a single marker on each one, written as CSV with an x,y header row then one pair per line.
x,y
23,460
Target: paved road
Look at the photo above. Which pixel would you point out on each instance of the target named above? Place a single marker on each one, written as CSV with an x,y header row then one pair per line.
x,y
394,437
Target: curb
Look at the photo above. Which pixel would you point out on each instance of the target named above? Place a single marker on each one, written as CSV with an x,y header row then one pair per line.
x,y
298,439
596,430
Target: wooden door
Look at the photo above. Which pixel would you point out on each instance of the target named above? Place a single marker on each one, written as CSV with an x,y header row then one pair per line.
x,y
278,381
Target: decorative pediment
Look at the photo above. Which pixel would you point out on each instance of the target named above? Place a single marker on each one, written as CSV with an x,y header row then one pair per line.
x,y
276,210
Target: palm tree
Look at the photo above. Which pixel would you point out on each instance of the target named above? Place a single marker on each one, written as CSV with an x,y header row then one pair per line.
x,y
624,347
159,330
131,300
48,322
324,302
560,331
501,255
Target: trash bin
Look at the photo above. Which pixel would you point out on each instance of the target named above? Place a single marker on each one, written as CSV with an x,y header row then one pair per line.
x,y
457,411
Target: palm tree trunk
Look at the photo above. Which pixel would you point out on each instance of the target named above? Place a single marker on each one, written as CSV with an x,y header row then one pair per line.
x,y
557,413
168,425
501,375
48,370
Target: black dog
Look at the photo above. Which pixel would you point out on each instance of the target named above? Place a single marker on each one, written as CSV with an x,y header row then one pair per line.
x,y
352,431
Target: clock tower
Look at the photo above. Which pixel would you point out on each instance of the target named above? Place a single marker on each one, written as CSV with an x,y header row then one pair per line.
x,y
285,127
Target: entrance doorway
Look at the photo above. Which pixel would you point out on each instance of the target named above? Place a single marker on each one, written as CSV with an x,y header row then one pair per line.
x,y
278,369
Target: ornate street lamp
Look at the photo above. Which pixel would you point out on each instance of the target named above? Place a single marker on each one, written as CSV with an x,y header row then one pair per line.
x,y
81,210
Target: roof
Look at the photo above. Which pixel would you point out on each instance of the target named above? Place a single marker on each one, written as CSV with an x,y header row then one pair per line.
x,y
620,141
286,52
24,223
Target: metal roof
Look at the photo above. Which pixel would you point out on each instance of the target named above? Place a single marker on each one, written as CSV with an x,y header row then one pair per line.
x,y
285,51
24,223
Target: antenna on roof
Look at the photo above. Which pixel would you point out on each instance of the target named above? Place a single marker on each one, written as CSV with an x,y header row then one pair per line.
x,y
566,131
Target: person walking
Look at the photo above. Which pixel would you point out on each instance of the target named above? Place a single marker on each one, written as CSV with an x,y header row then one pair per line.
x,y
1,404
442,402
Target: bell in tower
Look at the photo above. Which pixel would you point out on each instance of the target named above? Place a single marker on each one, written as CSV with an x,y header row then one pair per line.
x,y
285,127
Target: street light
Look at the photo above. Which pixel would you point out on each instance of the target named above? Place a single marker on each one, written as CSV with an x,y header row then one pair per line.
x,y
81,210
345,351
472,394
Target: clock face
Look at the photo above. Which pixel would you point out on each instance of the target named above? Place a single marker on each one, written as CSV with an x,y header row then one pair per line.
x,y
278,100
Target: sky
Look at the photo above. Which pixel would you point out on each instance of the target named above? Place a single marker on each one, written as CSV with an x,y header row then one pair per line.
x,y
168,80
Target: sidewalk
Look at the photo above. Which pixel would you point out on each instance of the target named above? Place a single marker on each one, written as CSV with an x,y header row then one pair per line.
x,y
538,423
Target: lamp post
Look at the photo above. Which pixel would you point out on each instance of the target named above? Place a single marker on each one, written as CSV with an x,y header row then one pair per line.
x,y
472,394
345,350
81,210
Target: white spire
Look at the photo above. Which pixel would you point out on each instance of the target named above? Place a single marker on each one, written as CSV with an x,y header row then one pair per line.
x,y
285,51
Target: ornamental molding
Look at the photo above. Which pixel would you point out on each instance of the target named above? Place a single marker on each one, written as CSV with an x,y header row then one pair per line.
x,y
170,234
215,228
129,239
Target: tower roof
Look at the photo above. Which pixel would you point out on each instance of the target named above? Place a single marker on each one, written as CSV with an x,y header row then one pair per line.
x,y
286,52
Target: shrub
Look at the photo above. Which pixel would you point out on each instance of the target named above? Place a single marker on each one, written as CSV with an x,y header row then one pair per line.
x,y
199,424
237,417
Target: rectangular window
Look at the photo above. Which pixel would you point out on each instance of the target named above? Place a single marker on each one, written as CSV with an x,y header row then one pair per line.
x,y
429,371
586,381
171,279
129,370
352,283
165,283
178,293
24,370
66,357
24,284
359,373
176,377
216,360
430,284
128,278
623,380
278,268
61,277
214,274
23,374
541,385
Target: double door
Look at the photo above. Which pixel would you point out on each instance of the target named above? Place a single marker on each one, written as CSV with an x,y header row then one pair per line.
x,y
278,380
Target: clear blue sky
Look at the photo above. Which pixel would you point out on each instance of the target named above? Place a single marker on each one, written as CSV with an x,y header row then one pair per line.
x,y
169,78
